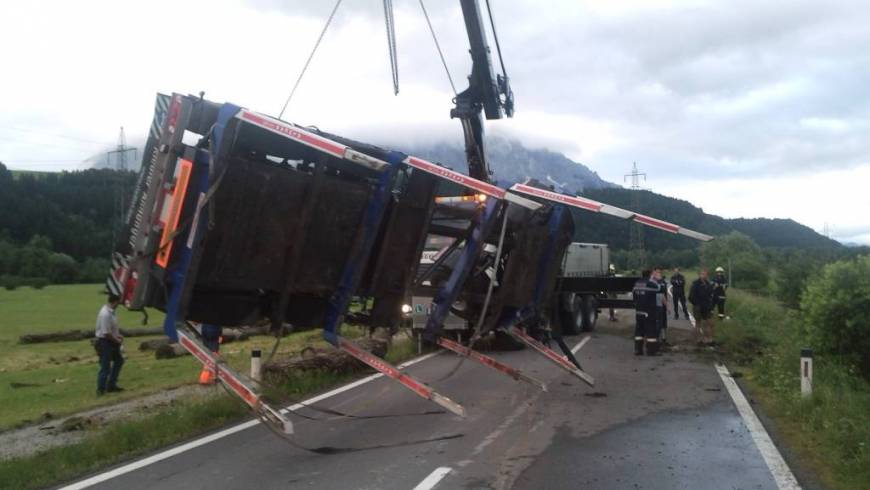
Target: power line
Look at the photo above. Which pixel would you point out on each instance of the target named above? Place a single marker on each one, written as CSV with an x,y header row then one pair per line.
x,y
47,162
53,135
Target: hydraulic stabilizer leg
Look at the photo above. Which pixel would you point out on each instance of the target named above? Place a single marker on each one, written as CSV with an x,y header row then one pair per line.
x,y
338,304
449,293
388,369
236,384
559,360
489,361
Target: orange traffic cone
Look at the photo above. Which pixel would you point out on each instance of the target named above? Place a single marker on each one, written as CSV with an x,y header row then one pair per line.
x,y
206,376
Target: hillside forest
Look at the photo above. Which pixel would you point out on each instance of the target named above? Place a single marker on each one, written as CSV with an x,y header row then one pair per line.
x,y
58,228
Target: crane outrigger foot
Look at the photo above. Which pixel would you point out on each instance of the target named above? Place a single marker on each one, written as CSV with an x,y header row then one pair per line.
x,y
406,380
234,382
553,356
489,361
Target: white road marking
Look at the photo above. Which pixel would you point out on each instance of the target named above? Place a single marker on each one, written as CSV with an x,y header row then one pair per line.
x,y
135,465
581,344
436,476
785,480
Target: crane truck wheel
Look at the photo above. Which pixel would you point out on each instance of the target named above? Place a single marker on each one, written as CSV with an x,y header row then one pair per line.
x,y
588,316
570,315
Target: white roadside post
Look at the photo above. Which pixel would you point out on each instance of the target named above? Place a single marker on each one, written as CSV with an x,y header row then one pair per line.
x,y
256,366
806,372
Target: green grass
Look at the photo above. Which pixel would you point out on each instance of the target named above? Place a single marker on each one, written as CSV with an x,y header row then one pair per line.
x,y
183,420
119,442
830,432
65,372
64,377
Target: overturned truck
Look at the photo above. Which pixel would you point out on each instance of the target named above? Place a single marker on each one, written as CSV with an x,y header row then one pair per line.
x,y
239,217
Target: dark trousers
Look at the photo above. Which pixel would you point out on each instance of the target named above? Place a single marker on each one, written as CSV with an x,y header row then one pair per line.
x,y
720,305
680,299
663,323
646,328
110,364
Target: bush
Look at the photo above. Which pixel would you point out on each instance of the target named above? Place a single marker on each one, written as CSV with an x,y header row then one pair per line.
x,y
9,282
836,305
38,282
748,265
829,430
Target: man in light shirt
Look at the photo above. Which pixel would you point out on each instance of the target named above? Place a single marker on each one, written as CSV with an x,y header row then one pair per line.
x,y
109,347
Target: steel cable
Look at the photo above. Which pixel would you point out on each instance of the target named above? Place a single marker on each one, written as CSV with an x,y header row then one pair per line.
x,y
310,56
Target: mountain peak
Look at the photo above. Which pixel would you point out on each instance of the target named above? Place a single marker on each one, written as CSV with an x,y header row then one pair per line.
x,y
511,161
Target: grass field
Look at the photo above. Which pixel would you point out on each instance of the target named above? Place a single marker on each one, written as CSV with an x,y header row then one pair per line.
x,y
64,373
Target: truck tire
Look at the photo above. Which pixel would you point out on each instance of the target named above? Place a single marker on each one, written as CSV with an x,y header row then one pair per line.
x,y
571,317
588,314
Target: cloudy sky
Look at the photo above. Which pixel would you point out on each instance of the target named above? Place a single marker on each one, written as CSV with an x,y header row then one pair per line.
x,y
744,108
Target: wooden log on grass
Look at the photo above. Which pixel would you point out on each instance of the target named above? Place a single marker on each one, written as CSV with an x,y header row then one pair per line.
x,y
170,351
65,336
73,335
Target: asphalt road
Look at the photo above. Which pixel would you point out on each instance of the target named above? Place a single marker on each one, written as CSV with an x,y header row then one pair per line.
x,y
664,422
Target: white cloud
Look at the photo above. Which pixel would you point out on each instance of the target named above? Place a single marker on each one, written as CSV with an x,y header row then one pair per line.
x,y
703,94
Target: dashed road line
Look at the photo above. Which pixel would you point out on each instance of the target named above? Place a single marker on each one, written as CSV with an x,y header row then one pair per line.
x,y
580,344
436,476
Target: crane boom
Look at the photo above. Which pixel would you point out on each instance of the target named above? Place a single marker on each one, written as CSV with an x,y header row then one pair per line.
x,y
487,93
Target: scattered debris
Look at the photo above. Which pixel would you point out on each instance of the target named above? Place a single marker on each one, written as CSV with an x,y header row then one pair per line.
x,y
327,359
75,423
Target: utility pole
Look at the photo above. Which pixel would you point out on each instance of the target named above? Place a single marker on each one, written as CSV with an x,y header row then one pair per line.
x,y
637,254
120,154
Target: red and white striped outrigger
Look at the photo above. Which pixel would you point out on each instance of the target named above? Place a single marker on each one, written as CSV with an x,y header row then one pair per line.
x,y
599,207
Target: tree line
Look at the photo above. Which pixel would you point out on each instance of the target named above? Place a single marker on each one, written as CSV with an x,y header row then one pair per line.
x,y
58,227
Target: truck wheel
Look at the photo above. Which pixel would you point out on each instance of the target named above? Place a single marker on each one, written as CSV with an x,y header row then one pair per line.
x,y
571,317
589,314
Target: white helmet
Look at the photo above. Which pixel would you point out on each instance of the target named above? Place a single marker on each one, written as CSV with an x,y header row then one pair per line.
x,y
720,269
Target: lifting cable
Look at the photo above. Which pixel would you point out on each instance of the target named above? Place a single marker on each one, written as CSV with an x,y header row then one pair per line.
x,y
310,56
483,311
438,47
495,36
391,43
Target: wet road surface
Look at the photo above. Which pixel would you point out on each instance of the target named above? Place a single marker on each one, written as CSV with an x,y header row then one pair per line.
x,y
650,422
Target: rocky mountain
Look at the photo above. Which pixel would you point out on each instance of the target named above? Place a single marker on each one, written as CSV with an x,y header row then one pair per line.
x,y
513,162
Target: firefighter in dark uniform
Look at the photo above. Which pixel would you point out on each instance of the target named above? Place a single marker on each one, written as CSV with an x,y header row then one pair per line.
x,y
645,292
662,305
720,284
701,297
678,291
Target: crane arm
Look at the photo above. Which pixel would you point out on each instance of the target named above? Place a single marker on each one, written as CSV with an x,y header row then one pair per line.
x,y
487,93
